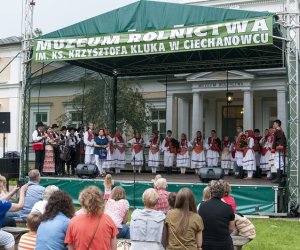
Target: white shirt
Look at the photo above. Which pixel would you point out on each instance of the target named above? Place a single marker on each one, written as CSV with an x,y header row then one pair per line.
x,y
39,207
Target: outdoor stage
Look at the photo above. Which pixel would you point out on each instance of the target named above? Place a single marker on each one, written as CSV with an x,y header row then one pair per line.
x,y
252,196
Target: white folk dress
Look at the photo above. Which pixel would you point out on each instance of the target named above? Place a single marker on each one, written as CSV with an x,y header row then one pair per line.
x,y
168,156
119,153
198,154
183,158
110,157
137,157
154,153
249,162
212,155
226,158
265,144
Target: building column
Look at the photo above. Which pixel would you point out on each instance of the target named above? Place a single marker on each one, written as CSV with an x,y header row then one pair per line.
x,y
169,112
258,114
183,117
248,110
282,108
212,116
197,113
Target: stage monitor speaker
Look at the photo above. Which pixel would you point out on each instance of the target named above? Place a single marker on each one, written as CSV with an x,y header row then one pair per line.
x,y
4,122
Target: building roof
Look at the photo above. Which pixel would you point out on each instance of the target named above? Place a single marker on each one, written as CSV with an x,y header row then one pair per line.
x,y
10,40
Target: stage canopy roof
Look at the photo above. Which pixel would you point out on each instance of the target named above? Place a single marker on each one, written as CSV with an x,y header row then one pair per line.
x,y
148,37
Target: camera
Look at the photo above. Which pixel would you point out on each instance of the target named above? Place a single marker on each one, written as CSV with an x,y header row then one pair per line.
x,y
21,183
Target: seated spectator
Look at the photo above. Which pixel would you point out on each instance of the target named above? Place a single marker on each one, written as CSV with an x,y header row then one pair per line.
x,y
184,226
57,216
117,208
162,204
40,206
218,219
28,240
93,230
146,226
205,196
227,198
171,200
158,176
7,240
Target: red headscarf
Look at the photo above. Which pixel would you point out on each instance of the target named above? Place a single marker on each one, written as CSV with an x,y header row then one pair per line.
x,y
119,136
250,134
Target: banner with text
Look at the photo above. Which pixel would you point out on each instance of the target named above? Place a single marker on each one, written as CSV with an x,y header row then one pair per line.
x,y
252,32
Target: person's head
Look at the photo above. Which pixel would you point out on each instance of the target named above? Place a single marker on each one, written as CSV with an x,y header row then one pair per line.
x,y
266,132
183,136
206,194
34,221
3,183
198,134
72,130
54,127
91,126
59,201
101,132
137,135
92,200
227,188
239,129
169,133
108,180
226,138
49,130
106,131
34,176
63,130
213,133
154,134
49,190
250,133
276,124
40,126
161,183
150,198
155,179
217,189
172,199
257,132
118,193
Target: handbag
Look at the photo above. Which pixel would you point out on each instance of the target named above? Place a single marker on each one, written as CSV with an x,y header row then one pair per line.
x,y
96,228
123,245
38,146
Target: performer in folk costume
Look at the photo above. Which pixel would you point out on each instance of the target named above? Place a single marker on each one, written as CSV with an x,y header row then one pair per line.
x,y
64,151
38,138
240,145
154,144
120,148
110,160
278,148
137,155
183,157
257,152
71,143
49,160
169,152
233,151
198,155
88,139
265,149
249,162
213,146
226,155
101,143
55,144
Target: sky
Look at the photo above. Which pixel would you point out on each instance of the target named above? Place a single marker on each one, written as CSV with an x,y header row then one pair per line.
x,y
50,15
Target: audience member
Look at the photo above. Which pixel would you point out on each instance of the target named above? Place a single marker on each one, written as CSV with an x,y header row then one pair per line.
x,y
7,240
52,230
218,219
40,206
146,226
171,200
108,184
117,208
93,230
184,225
155,179
205,196
28,240
227,198
162,204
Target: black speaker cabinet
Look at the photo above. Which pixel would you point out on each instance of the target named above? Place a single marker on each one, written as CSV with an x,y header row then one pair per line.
x,y
9,167
4,122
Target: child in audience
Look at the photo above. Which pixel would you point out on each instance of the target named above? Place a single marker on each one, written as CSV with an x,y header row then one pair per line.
x,y
171,200
228,198
108,184
28,240
158,176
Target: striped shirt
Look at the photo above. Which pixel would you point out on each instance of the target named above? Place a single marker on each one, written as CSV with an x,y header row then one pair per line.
x,y
27,241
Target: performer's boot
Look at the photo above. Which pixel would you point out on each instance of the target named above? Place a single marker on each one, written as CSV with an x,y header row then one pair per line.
x,y
278,176
241,173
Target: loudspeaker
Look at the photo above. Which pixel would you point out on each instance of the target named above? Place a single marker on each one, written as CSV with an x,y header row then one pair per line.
x,y
87,171
207,174
4,122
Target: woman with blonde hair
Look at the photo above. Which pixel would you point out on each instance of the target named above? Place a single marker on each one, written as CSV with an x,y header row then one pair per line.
x,y
93,230
184,225
117,208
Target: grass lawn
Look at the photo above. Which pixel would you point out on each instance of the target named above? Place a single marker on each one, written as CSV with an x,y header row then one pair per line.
x,y
274,234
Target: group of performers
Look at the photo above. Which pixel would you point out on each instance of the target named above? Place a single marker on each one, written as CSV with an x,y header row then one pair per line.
x,y
248,152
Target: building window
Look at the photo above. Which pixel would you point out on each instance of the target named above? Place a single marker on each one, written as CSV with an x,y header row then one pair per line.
x,y
159,122
76,119
41,117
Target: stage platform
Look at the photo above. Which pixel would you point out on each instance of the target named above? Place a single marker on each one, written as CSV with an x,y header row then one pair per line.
x,y
252,196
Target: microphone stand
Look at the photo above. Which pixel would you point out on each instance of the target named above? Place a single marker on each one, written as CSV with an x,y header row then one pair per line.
x,y
134,181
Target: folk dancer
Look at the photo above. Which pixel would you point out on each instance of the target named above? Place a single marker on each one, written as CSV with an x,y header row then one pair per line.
x,y
72,142
183,157
101,144
137,157
257,152
153,158
240,145
271,160
169,152
80,146
198,155
249,163
226,155
213,146
120,148
38,138
49,159
55,144
233,152
278,148
110,158
88,139
265,151
63,151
